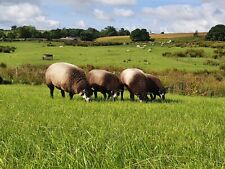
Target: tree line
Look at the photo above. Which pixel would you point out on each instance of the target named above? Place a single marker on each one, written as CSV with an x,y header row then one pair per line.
x,y
216,33
25,32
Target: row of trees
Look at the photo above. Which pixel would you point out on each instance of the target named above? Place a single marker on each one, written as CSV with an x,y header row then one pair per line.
x,y
86,35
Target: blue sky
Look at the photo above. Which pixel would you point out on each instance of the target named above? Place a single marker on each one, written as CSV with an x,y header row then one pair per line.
x,y
154,15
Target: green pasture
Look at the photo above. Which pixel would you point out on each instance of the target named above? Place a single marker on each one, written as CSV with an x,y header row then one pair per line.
x,y
40,132
110,56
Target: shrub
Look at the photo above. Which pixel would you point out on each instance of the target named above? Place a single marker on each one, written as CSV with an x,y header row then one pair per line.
x,y
197,53
222,67
211,63
86,44
218,53
7,49
167,54
3,65
216,33
187,53
139,35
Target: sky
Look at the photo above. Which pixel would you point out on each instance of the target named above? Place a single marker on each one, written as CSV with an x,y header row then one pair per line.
x,y
154,15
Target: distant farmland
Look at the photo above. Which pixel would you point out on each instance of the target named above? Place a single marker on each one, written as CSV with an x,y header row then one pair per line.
x,y
155,36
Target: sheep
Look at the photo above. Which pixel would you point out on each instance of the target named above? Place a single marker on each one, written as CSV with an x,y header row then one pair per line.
x,y
136,83
67,78
155,87
105,82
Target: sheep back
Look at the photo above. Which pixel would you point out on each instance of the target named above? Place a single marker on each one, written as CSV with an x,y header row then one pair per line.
x,y
67,77
104,80
135,80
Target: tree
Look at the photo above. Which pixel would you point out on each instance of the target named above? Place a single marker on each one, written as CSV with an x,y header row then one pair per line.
x,y
27,32
2,34
123,32
139,35
75,32
109,31
56,34
13,27
87,36
95,33
216,33
11,35
47,35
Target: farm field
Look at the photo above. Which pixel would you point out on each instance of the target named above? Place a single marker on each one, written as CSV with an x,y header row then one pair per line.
x,y
110,56
155,36
40,132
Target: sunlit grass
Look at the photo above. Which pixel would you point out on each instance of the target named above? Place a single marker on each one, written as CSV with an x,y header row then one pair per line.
x,y
40,132
114,56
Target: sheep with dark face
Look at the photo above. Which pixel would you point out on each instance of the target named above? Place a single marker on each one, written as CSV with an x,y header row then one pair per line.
x,y
105,82
136,83
155,87
67,78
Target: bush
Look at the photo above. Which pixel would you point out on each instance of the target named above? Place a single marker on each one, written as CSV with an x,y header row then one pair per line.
x,y
219,53
222,67
86,44
211,63
167,54
7,49
3,65
196,53
139,35
216,33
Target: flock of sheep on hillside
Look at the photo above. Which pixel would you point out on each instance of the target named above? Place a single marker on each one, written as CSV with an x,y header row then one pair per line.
x,y
72,79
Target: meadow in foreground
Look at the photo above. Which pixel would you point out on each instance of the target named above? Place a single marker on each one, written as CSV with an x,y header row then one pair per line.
x,y
40,132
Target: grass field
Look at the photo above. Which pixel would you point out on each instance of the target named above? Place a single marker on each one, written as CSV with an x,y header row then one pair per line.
x,y
111,56
38,132
154,36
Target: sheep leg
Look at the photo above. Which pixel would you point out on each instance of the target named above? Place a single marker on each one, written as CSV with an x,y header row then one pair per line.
x,y
122,95
63,93
95,93
112,95
51,87
105,97
131,96
152,96
71,96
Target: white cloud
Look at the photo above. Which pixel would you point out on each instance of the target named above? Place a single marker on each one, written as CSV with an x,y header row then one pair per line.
x,y
123,12
185,18
118,2
99,14
93,2
25,14
81,24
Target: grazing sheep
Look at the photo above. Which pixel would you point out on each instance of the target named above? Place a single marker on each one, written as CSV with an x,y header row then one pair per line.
x,y
155,87
105,82
69,78
136,83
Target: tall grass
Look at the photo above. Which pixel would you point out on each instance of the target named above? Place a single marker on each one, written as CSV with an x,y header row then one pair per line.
x,y
40,132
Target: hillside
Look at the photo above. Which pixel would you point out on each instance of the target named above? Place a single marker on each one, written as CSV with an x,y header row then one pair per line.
x,y
155,36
